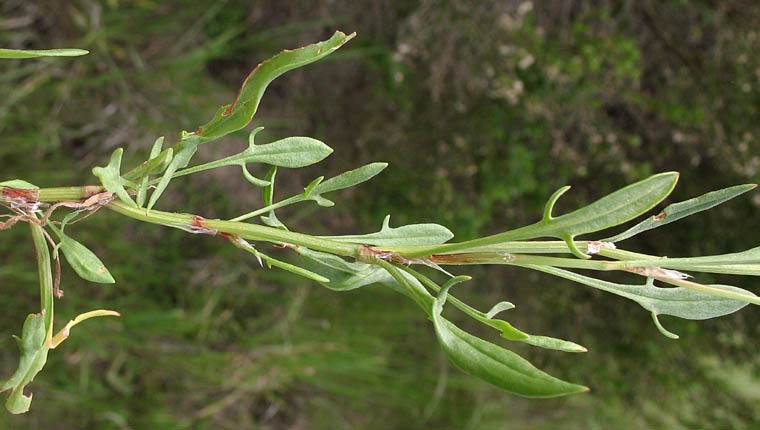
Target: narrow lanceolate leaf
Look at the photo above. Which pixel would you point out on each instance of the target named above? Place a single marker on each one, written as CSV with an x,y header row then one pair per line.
x,y
110,177
34,351
679,301
494,364
292,152
413,234
33,53
183,152
676,211
157,162
235,116
84,262
750,256
344,180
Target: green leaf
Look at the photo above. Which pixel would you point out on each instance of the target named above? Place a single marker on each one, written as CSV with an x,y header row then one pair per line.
x,y
750,256
34,351
676,211
32,53
679,301
413,234
84,262
612,209
350,178
317,187
20,184
410,286
489,362
237,115
183,152
508,331
494,364
300,271
35,333
347,179
343,275
110,177
291,152
157,162
309,188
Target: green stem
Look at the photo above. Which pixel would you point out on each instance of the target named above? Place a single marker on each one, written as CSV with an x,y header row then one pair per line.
x,y
46,276
478,251
526,232
273,206
58,194
246,231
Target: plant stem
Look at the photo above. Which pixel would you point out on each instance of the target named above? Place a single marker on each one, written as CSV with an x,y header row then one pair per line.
x,y
58,194
46,276
248,231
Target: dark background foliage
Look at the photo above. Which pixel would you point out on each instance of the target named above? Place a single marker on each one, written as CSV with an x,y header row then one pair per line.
x,y
481,108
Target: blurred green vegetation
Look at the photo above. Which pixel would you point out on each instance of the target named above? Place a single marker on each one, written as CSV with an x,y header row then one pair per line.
x,y
482,109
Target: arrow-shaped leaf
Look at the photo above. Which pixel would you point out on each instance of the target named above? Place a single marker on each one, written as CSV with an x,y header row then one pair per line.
x,y
110,177
292,152
613,209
